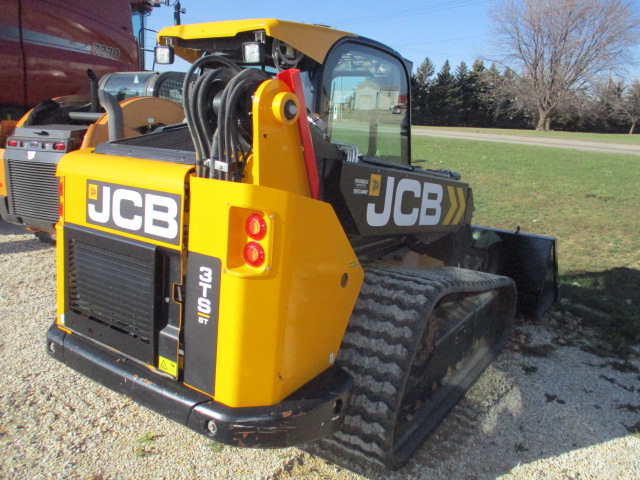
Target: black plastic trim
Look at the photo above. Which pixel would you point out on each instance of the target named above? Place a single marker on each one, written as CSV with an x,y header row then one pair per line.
x,y
314,411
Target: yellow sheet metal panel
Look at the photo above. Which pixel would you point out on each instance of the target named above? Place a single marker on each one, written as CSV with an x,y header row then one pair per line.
x,y
134,198
312,40
280,325
60,272
277,159
3,178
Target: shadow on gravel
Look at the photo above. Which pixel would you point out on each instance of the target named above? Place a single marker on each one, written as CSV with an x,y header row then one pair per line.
x,y
28,244
10,228
608,302
525,409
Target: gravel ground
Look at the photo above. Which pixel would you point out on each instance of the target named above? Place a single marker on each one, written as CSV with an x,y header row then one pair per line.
x,y
537,413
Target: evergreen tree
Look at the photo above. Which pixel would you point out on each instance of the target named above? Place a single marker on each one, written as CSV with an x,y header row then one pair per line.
x,y
420,85
425,72
444,97
465,85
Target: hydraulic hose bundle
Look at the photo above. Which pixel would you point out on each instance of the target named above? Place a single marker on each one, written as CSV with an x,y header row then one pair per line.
x,y
217,107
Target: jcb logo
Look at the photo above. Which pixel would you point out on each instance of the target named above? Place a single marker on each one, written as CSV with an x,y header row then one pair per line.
x,y
135,210
401,206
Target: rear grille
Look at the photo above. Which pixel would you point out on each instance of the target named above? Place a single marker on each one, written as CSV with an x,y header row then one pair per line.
x,y
33,190
114,291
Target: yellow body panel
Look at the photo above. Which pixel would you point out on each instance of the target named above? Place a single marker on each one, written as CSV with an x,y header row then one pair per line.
x,y
7,128
277,145
60,274
312,40
3,179
80,167
280,325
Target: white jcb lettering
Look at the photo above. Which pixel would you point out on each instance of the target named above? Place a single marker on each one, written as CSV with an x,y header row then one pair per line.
x,y
404,186
376,219
128,223
160,222
134,210
103,215
431,208
401,202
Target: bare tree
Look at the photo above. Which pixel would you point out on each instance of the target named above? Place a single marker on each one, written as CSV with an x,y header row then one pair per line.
x,y
557,47
629,105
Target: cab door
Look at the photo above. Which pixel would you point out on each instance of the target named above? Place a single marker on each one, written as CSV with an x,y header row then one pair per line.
x,y
365,95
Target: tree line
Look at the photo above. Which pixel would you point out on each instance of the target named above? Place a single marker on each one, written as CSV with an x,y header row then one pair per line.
x,y
481,96
560,61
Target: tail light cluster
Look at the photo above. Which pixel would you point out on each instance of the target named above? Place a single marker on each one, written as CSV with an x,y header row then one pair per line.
x,y
256,228
54,146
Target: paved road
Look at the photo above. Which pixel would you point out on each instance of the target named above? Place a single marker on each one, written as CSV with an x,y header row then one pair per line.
x,y
538,141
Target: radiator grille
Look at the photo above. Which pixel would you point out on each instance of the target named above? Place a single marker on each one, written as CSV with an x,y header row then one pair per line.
x,y
34,190
114,293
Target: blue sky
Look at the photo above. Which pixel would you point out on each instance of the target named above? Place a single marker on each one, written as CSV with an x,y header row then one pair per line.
x,y
439,29
457,30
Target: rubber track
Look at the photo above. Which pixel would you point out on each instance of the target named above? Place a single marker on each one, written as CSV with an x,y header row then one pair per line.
x,y
378,350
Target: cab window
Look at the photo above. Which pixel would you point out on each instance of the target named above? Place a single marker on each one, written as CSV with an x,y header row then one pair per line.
x,y
365,102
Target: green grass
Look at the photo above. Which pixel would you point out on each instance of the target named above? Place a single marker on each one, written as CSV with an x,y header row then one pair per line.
x,y
587,137
588,201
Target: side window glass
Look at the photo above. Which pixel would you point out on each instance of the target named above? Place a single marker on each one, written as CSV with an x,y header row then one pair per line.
x,y
366,99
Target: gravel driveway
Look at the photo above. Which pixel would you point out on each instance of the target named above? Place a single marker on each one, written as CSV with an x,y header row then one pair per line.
x,y
552,413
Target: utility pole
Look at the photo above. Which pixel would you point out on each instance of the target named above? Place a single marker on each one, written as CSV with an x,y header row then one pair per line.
x,y
177,10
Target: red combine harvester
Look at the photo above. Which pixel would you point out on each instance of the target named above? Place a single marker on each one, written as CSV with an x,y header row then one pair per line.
x,y
46,47
49,107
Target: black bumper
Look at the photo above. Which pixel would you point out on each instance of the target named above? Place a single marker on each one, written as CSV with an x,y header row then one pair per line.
x,y
314,411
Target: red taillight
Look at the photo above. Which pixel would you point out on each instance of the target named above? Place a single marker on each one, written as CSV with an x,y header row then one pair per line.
x,y
254,254
256,227
60,146
12,143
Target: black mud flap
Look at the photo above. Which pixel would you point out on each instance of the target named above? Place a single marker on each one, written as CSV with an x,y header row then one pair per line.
x,y
530,260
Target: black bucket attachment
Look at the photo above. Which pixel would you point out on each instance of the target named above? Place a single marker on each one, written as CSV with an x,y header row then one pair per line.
x,y
530,260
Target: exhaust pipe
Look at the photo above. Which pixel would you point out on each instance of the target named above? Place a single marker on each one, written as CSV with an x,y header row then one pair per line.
x,y
114,112
93,81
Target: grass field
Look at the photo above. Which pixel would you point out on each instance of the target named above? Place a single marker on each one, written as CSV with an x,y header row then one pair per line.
x,y
586,137
588,201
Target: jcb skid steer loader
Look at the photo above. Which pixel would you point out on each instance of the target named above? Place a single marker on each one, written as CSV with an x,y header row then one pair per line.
x,y
275,272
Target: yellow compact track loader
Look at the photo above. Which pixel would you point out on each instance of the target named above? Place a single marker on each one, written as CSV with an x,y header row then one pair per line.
x,y
275,271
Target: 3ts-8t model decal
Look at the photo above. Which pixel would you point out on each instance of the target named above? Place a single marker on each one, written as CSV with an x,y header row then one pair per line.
x,y
143,212
202,305
394,201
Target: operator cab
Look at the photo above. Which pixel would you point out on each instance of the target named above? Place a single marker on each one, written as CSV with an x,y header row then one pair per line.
x,y
352,85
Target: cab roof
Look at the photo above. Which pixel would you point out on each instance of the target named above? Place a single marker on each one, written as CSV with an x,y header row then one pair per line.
x,y
312,40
